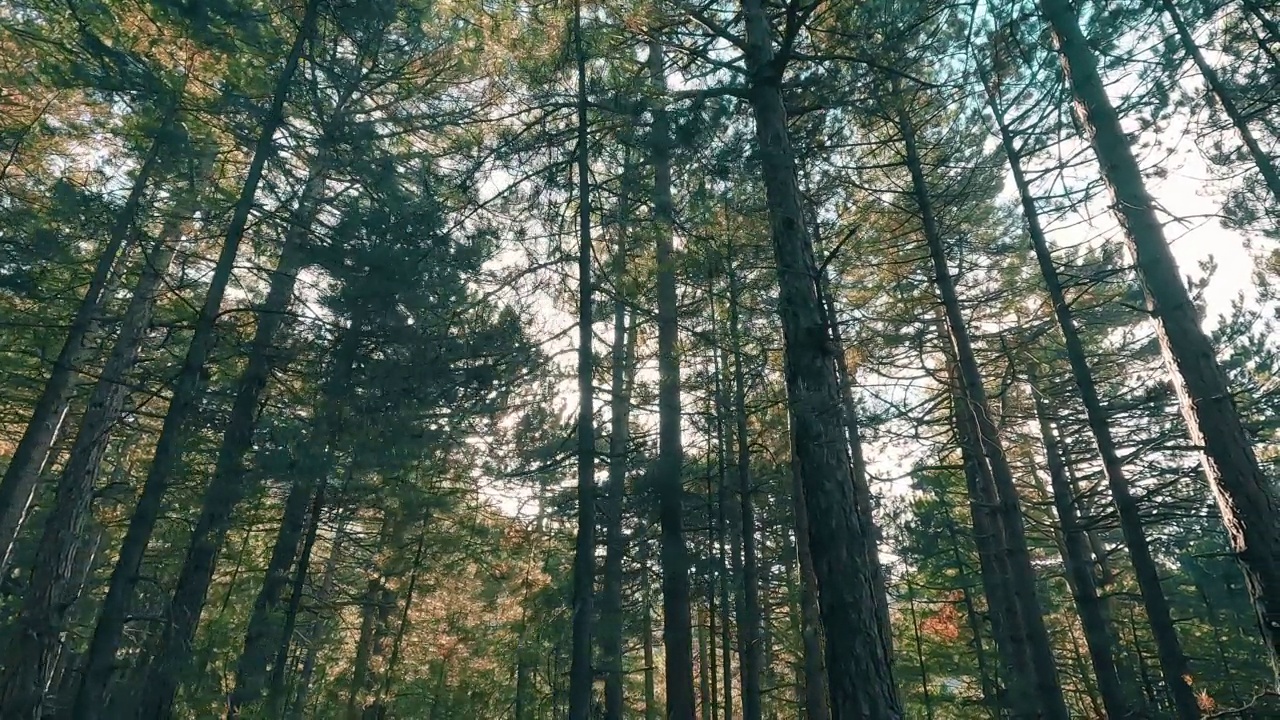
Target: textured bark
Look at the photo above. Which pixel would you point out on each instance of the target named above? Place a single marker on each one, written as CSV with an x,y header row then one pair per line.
x,y
100,657
584,562
23,470
750,647
861,483
1172,660
52,590
230,477
263,632
1079,565
1247,500
1021,575
815,673
859,668
722,524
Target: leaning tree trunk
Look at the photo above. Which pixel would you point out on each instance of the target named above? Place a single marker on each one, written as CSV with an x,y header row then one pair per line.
x,y
230,477
859,668
1173,662
23,471
262,634
1007,625
1247,500
1079,565
100,658
51,589
722,522
1021,574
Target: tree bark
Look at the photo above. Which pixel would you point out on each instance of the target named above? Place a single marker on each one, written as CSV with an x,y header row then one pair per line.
x,y
815,673
1247,501
1007,626
859,668
749,621
169,446
262,633
623,378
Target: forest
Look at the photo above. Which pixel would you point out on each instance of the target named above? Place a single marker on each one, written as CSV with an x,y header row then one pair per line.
x,y
639,359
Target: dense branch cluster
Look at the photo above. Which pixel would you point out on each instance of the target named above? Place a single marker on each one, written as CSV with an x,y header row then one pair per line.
x,y
374,359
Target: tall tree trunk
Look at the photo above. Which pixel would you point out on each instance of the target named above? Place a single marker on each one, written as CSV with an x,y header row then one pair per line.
x,y
749,621
861,482
859,668
677,633
230,477
1007,626
306,492
1021,575
623,377
50,591
1079,564
584,562
815,674
1246,498
23,471
1266,166
100,657
722,519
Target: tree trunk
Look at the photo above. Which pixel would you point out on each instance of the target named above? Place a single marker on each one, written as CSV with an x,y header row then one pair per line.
x,y
23,471
924,669
1247,501
1021,575
677,633
815,674
623,377
861,482
859,668
100,657
584,562
722,521
306,492
749,621
1079,565
50,592
230,478
646,602
1007,626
